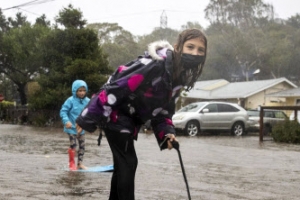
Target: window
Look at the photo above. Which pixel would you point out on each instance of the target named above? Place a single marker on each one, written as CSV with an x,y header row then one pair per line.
x,y
191,107
227,108
269,114
280,114
212,108
253,113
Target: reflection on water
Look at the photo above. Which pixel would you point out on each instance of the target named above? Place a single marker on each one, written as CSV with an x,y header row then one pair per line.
x,y
71,179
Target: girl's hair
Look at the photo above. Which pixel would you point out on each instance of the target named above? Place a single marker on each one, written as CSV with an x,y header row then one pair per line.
x,y
182,38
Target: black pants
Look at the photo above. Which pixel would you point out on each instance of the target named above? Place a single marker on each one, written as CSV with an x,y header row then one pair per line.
x,y
125,164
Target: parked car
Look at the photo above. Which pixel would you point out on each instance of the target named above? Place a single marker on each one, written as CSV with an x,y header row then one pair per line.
x,y
270,118
292,116
211,116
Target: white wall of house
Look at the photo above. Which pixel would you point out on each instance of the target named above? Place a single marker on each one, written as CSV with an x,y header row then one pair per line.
x,y
293,101
255,100
260,98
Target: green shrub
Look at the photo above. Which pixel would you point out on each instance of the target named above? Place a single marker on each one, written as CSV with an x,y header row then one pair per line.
x,y
6,104
287,131
44,118
39,119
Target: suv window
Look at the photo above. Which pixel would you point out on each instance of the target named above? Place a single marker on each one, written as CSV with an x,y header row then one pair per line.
x,y
212,108
227,108
280,114
191,107
253,113
269,114
275,114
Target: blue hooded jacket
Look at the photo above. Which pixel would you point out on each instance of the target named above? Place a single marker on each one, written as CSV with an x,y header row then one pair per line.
x,y
73,106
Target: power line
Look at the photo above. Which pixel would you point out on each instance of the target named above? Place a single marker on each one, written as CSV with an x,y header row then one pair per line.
x,y
21,5
29,12
35,2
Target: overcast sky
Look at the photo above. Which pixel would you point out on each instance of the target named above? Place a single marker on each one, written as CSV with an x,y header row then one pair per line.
x,y
137,16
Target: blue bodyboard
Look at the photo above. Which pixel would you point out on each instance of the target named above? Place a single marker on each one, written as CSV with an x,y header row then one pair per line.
x,y
107,168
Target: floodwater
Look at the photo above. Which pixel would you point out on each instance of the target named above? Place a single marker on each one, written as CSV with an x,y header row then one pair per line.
x,y
34,166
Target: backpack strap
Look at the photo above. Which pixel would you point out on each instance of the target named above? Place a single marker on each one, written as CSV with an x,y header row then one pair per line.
x,y
169,63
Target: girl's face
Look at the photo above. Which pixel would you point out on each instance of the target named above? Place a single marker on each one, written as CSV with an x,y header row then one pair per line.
x,y
81,92
194,46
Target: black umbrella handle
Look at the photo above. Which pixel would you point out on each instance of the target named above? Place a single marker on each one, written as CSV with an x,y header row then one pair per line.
x,y
175,145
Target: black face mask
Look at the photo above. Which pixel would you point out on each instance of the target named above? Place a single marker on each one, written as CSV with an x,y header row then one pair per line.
x,y
191,70
191,61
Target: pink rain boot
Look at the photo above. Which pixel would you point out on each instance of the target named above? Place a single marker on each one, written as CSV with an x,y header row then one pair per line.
x,y
72,165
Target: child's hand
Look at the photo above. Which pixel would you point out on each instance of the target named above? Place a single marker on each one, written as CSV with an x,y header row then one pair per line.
x,y
79,130
68,125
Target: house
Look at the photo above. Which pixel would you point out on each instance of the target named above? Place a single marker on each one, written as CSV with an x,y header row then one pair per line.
x,y
292,96
249,95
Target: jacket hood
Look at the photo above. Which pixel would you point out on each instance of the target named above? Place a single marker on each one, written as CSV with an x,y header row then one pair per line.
x,y
157,50
76,85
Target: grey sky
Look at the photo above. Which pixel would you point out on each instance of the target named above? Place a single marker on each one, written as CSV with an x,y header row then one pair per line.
x,y
137,16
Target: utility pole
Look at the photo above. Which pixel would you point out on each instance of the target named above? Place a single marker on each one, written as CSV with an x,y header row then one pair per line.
x,y
163,20
163,23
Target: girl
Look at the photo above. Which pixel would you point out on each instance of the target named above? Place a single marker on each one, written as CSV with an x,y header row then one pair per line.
x,y
144,89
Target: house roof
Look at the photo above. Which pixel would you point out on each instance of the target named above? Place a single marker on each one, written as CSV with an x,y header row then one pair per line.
x,y
209,85
295,92
233,90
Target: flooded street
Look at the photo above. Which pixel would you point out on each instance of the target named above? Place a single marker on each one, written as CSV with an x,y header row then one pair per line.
x,y
35,167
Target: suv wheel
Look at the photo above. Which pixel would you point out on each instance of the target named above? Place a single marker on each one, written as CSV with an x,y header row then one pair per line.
x,y
192,128
238,129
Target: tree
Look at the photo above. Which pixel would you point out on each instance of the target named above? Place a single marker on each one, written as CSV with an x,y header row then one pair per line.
x,y
294,21
70,18
157,34
241,13
69,54
239,31
19,21
119,44
292,29
20,53
3,23
191,25
42,21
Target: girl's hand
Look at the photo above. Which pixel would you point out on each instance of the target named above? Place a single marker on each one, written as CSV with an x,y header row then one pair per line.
x,y
68,125
170,140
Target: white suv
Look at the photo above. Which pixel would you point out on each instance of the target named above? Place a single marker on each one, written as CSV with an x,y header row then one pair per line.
x,y
270,118
211,116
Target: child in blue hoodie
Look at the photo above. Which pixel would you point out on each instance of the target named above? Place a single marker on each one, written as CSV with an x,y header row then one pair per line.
x,y
70,110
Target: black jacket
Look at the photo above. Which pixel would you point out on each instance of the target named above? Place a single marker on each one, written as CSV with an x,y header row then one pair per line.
x,y
136,92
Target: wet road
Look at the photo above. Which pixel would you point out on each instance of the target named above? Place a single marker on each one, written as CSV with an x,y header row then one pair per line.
x,y
34,167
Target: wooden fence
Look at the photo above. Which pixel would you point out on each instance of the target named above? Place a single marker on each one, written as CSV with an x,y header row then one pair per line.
x,y
22,115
